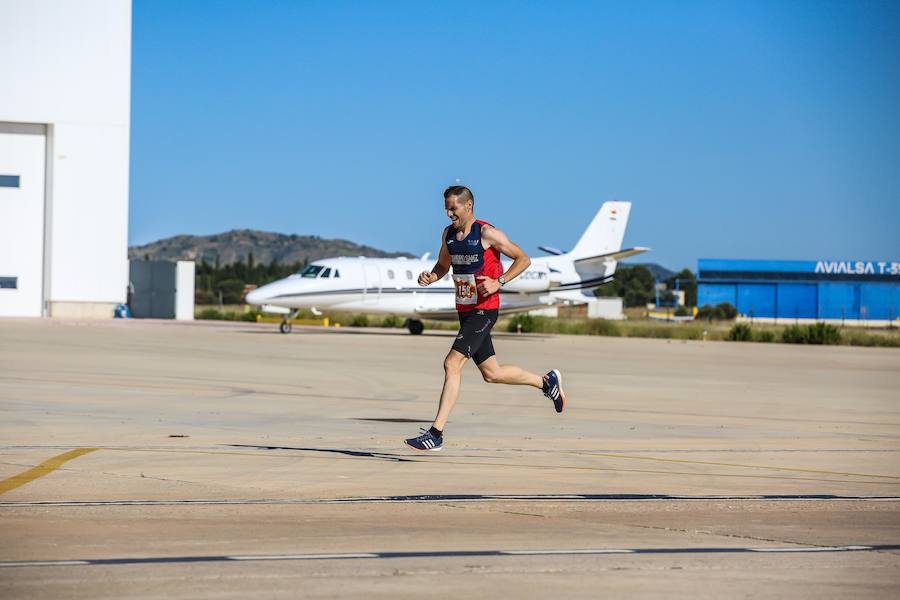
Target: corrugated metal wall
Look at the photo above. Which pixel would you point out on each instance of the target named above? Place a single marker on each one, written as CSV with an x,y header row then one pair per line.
x,y
798,289
822,300
756,299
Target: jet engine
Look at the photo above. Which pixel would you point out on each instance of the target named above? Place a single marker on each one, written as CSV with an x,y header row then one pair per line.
x,y
534,279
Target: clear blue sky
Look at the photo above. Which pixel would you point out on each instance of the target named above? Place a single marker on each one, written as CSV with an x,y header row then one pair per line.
x,y
738,129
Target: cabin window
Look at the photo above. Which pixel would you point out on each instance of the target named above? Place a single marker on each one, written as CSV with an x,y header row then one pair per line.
x,y
311,271
326,272
390,273
9,181
409,275
9,283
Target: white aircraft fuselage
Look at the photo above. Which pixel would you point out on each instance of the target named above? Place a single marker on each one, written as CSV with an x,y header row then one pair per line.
x,y
389,285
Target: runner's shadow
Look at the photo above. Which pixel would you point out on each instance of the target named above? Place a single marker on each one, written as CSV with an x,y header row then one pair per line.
x,y
345,331
355,453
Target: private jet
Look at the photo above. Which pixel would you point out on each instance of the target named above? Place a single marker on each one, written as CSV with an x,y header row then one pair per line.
x,y
389,285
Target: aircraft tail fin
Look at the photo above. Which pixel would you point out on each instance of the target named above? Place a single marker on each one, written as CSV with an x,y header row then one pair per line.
x,y
605,233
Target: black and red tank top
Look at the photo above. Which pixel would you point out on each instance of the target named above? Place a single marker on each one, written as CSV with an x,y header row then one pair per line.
x,y
471,260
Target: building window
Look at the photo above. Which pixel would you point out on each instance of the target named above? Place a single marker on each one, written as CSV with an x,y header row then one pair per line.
x,y
390,274
9,181
9,283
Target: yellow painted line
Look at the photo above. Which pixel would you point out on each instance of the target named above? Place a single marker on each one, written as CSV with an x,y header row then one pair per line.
x,y
45,468
738,465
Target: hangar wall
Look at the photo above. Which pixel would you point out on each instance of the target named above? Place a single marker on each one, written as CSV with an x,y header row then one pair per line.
x,y
70,72
825,290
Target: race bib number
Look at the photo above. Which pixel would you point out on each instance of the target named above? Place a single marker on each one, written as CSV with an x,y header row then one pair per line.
x,y
466,292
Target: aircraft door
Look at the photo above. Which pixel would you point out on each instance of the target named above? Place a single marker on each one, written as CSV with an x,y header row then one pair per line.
x,y
372,291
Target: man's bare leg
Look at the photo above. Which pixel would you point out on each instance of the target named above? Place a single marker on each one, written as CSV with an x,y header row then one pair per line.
x,y
453,366
494,372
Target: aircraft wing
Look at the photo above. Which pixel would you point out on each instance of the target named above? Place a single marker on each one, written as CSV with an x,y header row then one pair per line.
x,y
613,256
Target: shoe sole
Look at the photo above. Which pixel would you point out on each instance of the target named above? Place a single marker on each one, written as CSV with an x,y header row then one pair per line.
x,y
562,395
438,449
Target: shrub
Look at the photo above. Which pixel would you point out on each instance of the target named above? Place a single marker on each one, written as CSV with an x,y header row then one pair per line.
x,y
392,321
819,333
682,311
526,321
765,335
823,333
359,321
250,315
210,314
740,332
726,310
794,334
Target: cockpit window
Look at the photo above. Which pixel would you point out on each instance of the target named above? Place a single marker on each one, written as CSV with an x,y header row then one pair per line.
x,y
326,273
337,273
311,271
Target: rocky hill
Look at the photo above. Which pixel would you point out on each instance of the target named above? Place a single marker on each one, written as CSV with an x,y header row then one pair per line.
x,y
235,246
659,272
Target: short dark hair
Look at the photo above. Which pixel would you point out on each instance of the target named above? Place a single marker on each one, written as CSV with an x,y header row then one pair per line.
x,y
460,191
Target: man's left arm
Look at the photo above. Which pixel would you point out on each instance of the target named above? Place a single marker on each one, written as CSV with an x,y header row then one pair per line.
x,y
497,239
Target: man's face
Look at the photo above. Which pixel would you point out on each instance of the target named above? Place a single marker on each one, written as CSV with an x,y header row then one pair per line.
x,y
457,210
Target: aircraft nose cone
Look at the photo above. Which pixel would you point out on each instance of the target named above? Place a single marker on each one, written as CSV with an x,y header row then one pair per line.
x,y
257,296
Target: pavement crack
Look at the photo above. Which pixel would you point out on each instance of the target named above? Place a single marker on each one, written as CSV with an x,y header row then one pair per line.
x,y
717,534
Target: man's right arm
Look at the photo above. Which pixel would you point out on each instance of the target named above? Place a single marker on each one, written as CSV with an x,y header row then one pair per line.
x,y
440,268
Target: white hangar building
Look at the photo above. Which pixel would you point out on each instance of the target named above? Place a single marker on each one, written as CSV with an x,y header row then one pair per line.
x,y
65,99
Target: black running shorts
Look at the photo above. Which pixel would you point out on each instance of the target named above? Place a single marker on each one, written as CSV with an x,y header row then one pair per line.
x,y
474,338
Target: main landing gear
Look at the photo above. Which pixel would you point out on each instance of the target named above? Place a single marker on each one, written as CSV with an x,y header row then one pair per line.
x,y
415,326
285,326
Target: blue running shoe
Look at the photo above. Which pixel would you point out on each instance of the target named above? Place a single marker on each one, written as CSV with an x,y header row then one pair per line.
x,y
553,389
425,442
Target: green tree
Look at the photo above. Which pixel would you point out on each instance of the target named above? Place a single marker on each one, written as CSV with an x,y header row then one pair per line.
x,y
687,282
232,291
635,285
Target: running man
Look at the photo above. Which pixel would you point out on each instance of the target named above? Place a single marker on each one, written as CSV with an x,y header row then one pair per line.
x,y
473,249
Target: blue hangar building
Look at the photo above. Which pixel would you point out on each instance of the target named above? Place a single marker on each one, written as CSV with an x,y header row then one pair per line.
x,y
797,289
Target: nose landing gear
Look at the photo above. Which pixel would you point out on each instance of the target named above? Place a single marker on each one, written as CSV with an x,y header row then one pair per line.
x,y
415,326
285,326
